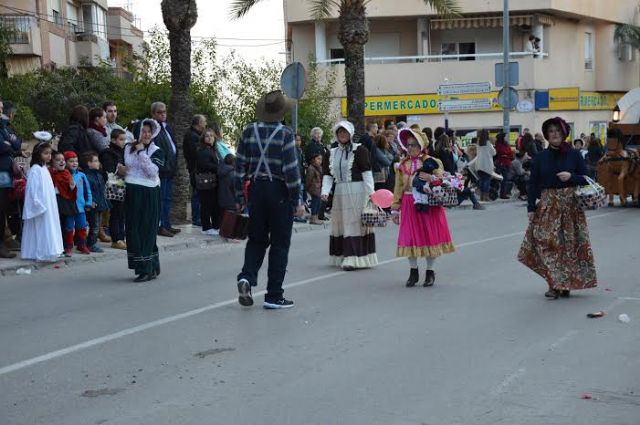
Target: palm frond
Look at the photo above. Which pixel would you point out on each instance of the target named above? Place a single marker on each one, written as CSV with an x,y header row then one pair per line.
x,y
445,8
627,34
322,8
239,8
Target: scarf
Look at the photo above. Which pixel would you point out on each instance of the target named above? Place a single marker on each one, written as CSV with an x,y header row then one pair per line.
x,y
62,181
102,130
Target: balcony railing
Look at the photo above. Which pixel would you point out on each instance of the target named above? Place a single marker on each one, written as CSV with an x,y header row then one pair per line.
x,y
20,27
436,58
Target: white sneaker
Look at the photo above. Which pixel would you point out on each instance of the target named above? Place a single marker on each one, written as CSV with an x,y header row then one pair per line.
x,y
212,232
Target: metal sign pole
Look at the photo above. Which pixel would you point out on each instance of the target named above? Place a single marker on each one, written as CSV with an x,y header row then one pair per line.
x,y
505,70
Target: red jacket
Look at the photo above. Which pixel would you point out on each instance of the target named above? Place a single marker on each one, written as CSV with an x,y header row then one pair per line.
x,y
504,155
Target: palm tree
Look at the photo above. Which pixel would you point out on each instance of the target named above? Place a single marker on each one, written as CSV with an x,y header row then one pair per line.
x,y
353,35
179,17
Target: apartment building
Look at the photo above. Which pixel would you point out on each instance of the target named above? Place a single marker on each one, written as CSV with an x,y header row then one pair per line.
x,y
578,72
59,33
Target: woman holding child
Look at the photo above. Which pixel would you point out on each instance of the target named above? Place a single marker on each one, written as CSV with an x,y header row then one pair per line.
x,y
422,233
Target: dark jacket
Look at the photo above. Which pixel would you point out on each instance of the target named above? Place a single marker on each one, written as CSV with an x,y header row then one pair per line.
x,y
226,190
75,139
545,167
170,167
207,160
314,148
8,148
111,157
367,141
447,161
97,184
190,147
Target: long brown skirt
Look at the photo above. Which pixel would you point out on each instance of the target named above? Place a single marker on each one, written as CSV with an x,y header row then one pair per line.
x,y
556,245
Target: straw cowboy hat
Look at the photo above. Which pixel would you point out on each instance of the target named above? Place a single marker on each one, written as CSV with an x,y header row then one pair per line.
x,y
272,106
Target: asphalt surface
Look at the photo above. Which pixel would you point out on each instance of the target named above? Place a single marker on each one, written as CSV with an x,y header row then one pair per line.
x,y
84,345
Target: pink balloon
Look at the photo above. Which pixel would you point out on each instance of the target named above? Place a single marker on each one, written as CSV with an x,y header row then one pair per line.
x,y
382,198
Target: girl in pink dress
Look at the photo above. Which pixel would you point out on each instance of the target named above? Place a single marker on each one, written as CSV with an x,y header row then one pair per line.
x,y
422,234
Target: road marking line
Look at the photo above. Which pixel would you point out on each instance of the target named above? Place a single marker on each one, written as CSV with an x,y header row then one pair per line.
x,y
149,325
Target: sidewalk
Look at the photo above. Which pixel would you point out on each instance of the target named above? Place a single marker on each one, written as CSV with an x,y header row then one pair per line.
x,y
189,237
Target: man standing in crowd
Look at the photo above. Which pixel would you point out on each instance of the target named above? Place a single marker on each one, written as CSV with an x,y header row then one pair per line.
x,y
266,159
190,148
165,140
112,115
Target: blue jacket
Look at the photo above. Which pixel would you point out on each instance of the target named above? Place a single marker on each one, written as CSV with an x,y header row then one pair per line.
x,y
97,185
84,198
545,167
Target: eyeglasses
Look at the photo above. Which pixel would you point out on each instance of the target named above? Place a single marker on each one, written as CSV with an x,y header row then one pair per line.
x,y
413,145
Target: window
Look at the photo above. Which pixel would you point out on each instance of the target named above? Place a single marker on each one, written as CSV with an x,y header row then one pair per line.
x,y
56,12
21,26
467,49
588,51
337,53
95,20
72,19
463,48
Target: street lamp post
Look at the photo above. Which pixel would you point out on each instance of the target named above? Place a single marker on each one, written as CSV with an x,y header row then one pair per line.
x,y
446,112
505,71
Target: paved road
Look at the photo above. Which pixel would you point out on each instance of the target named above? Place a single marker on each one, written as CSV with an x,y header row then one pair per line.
x,y
87,346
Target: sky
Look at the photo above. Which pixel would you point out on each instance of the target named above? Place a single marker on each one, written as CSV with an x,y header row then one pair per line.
x,y
258,34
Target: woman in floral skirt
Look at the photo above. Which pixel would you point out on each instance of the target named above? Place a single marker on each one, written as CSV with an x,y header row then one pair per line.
x,y
556,245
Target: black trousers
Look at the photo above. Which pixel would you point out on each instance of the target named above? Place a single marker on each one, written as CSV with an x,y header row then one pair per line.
x,y
270,226
4,210
117,222
209,210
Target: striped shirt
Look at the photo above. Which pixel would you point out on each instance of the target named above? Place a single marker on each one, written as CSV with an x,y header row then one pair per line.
x,y
279,159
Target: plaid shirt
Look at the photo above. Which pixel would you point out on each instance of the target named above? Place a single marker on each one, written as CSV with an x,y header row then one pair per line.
x,y
280,156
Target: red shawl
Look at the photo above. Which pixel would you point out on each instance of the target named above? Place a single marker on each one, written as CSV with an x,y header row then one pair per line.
x,y
62,181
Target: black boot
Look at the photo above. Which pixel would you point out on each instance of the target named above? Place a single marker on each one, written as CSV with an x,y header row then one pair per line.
x,y
413,278
430,278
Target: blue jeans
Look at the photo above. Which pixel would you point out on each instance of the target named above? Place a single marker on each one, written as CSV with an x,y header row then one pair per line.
x,y
166,195
484,182
505,184
78,221
195,207
270,227
315,205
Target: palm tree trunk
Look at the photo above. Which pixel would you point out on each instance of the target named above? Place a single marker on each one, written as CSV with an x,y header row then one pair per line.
x,y
353,35
179,17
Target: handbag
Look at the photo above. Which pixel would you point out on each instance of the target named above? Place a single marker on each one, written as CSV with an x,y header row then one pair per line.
x,y
591,196
206,181
445,196
115,188
234,225
373,216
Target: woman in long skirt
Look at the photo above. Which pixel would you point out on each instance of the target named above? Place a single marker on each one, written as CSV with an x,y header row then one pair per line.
x,y
351,245
422,234
142,202
556,245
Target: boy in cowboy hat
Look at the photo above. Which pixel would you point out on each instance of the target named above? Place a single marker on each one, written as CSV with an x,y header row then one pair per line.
x,y
266,157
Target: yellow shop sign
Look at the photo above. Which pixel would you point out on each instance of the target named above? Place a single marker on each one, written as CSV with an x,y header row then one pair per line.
x,y
595,101
564,99
416,104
